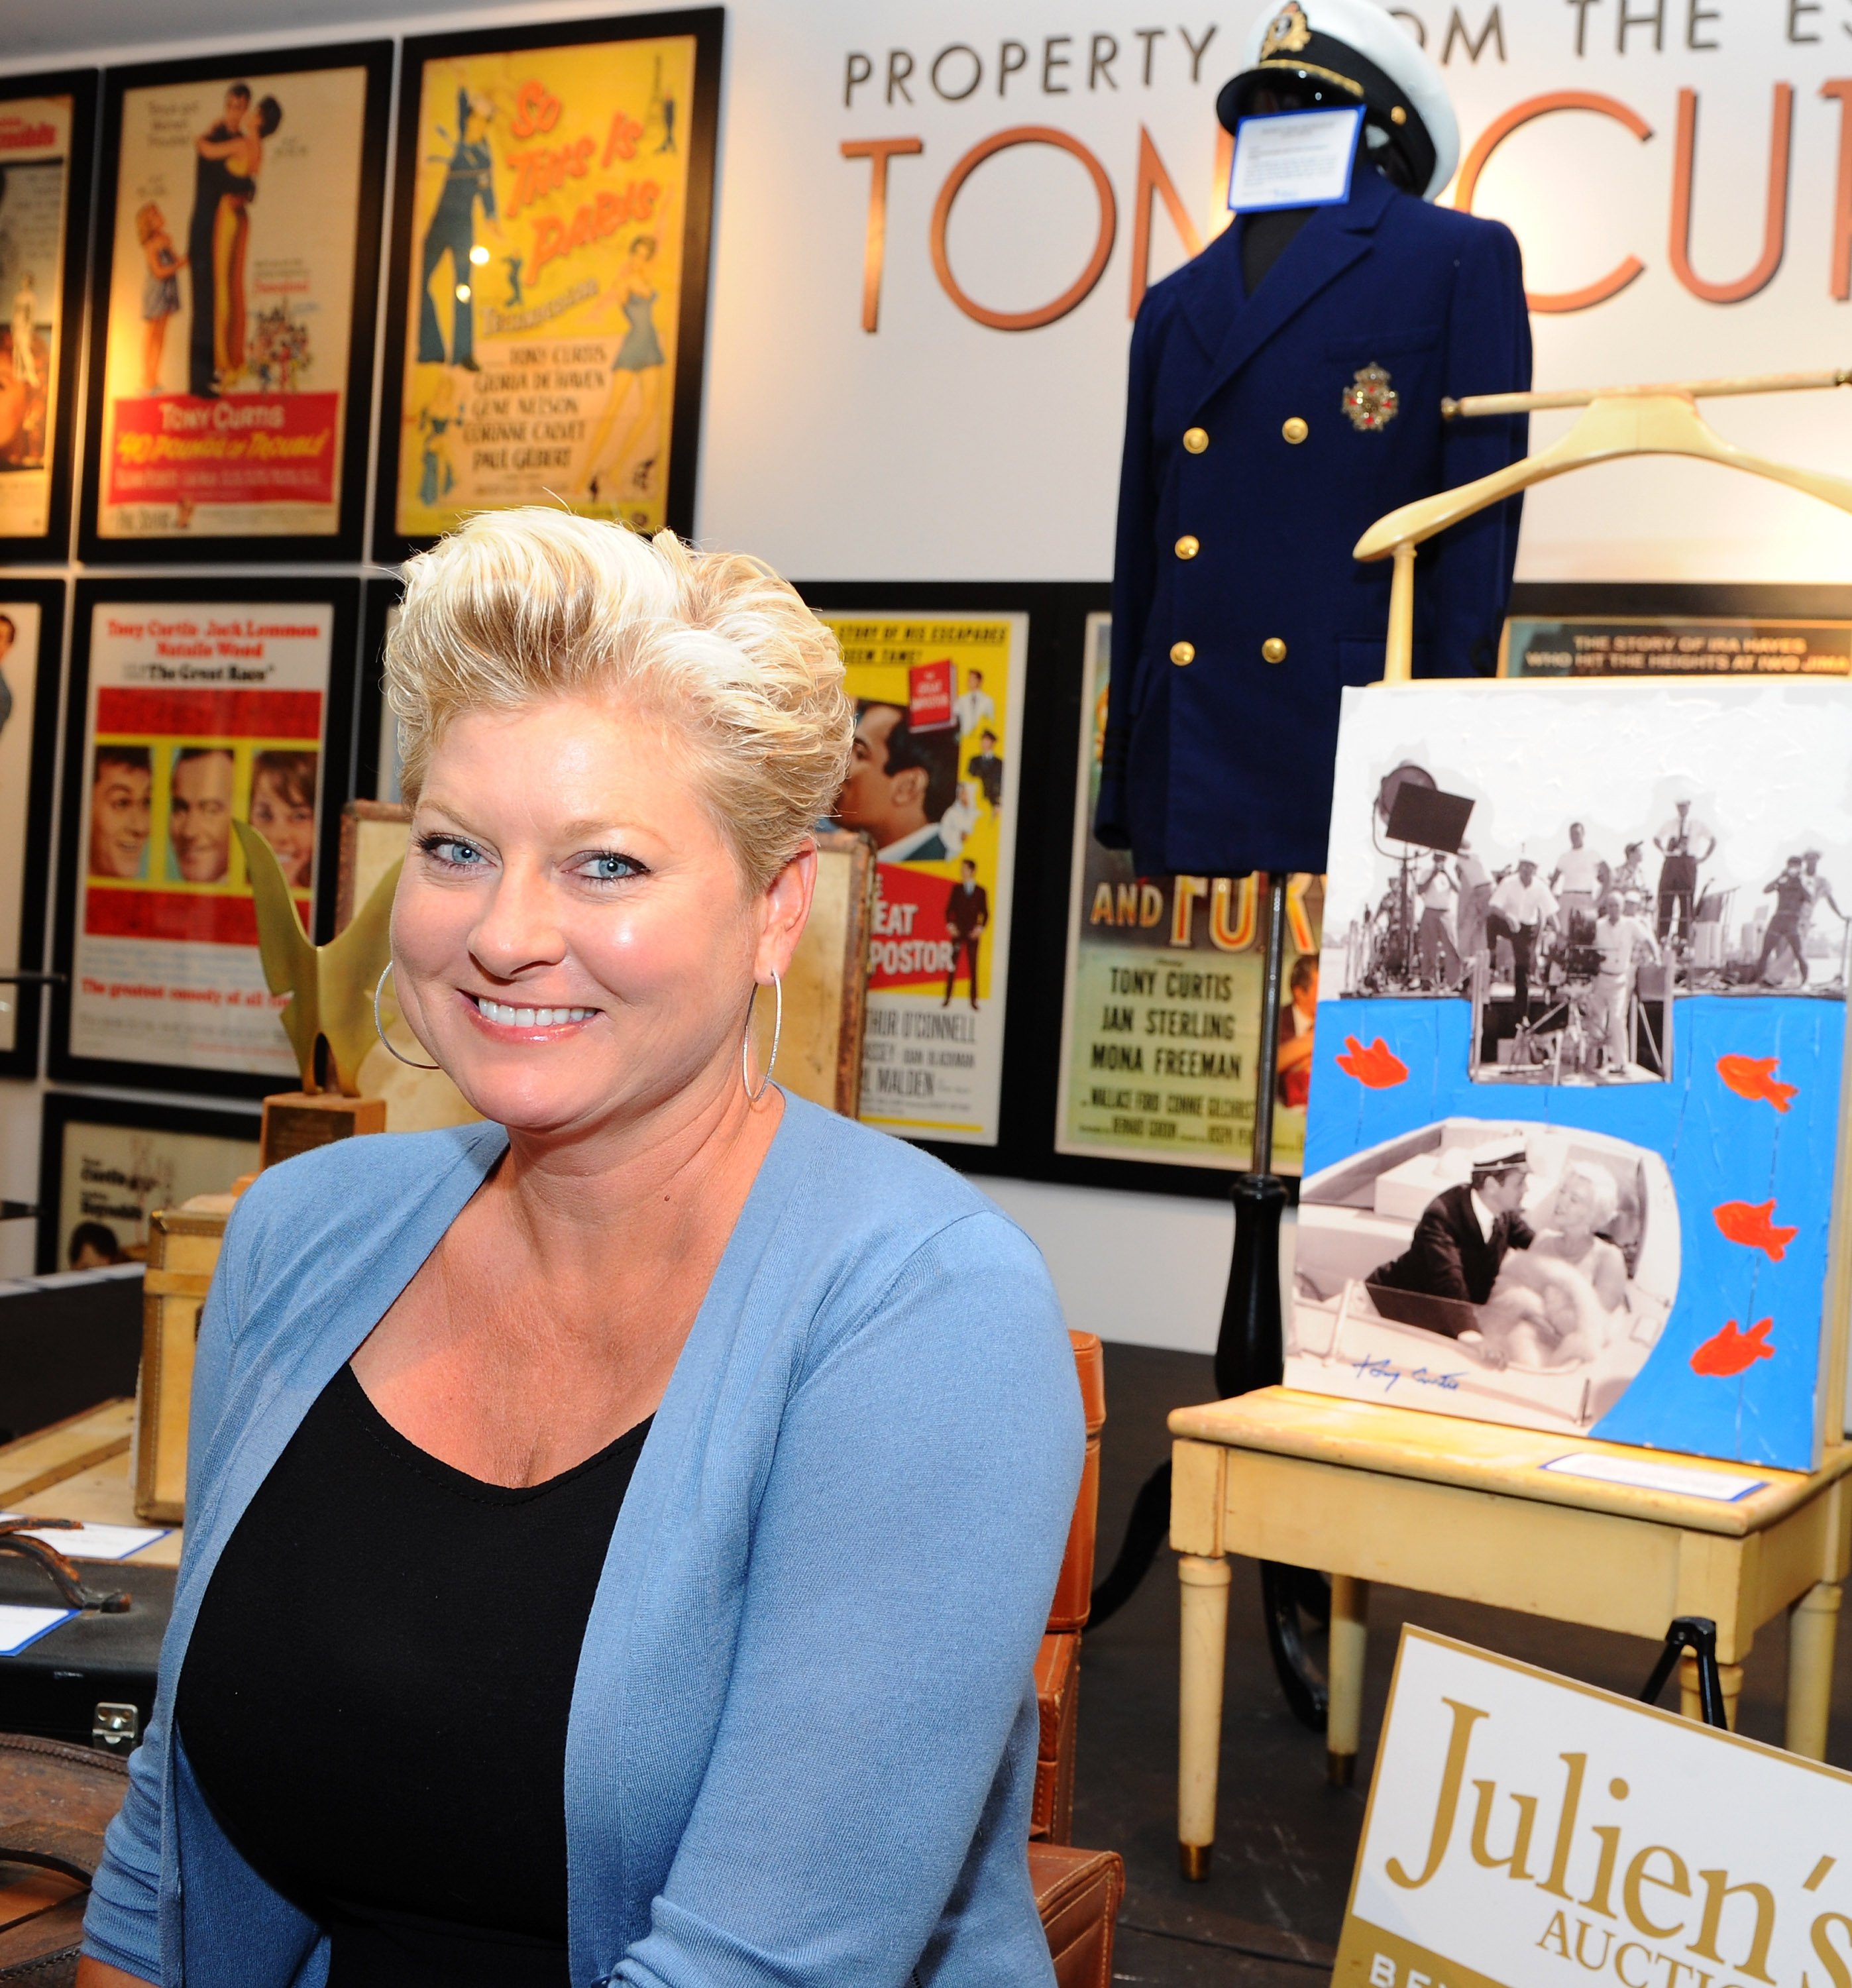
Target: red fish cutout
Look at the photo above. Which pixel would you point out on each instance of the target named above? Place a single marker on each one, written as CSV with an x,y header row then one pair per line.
x,y
1753,1078
1378,1067
1730,1352
1754,1227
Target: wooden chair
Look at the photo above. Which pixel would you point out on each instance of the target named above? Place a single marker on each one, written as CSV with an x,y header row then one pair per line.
x,y
1078,1891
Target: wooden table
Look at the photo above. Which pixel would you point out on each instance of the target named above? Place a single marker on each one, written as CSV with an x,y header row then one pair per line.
x,y
1465,1509
78,1468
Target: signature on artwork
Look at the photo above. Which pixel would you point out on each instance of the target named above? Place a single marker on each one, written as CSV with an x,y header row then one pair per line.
x,y
1388,1374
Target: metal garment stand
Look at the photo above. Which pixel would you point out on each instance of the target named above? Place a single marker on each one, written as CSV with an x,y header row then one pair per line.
x,y
1250,1350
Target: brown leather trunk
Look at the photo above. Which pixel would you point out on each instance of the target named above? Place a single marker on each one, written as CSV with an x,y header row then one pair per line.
x,y
55,1801
1078,1892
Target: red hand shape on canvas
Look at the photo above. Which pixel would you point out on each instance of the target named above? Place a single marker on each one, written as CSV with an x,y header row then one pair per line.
x,y
1378,1067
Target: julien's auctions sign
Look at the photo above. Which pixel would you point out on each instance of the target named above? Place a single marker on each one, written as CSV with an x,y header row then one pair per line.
x,y
1525,1831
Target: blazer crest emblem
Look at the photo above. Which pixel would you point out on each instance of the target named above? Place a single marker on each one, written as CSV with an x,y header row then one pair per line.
x,y
1287,32
1370,401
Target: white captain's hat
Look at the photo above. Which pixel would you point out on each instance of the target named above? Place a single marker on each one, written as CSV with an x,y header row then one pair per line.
x,y
1497,1156
1346,52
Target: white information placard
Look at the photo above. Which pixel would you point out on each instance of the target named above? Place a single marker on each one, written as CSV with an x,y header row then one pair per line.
x,y
1295,158
1524,1829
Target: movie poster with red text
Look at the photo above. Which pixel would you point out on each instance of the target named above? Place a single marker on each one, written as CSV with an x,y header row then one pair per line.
x,y
938,733
231,307
549,242
196,714
36,137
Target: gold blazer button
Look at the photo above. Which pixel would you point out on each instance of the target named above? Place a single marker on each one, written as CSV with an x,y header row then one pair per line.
x,y
1195,439
1294,429
1273,650
1188,545
1182,653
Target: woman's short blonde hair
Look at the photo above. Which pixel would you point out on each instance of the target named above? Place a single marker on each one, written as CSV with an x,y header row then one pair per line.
x,y
519,606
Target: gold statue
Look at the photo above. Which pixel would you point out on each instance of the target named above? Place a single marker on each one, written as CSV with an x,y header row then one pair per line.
x,y
331,988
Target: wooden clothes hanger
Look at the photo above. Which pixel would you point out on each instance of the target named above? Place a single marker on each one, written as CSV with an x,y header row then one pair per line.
x,y
1618,421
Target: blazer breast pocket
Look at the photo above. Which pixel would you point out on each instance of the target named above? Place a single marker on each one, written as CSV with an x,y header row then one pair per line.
x,y
1362,349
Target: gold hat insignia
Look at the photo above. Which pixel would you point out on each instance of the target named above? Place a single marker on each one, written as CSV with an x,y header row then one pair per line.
x,y
1287,32
1370,401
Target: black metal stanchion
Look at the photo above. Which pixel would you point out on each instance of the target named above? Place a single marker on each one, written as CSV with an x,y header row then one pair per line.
x,y
1249,1355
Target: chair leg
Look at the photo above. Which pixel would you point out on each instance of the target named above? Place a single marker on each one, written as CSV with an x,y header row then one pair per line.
x,y
1203,1664
1812,1630
1345,1663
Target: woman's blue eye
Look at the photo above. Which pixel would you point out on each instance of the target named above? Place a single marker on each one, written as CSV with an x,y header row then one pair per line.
x,y
448,849
611,868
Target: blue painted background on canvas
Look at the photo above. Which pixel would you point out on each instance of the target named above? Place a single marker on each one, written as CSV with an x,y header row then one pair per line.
x,y
1720,1148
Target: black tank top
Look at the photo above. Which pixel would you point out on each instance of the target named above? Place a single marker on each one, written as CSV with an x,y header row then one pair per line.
x,y
375,1696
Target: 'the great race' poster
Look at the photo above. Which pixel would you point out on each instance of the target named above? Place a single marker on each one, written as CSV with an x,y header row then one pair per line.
x,y
197,715
231,305
939,730
35,193
540,357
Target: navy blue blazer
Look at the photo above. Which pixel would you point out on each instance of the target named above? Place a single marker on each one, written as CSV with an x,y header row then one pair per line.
x,y
1221,763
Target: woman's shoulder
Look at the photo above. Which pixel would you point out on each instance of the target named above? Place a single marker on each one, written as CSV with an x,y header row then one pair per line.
x,y
875,1200
358,1183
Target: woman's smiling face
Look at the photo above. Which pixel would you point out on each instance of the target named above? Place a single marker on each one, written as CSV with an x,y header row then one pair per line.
x,y
573,940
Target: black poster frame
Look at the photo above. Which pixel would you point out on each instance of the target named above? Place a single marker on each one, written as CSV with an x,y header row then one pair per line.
x,y
708,26
345,543
52,544
63,1109
34,853
343,595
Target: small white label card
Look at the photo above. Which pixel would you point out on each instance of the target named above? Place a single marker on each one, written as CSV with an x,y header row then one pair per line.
x,y
1294,158
20,1626
1722,1487
1524,1830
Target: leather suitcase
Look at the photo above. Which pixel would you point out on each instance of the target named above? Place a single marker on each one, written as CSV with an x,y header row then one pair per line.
x,y
55,1801
1077,1892
91,1681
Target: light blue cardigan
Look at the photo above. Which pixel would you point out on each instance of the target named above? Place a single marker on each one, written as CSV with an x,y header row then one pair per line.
x,y
803,1739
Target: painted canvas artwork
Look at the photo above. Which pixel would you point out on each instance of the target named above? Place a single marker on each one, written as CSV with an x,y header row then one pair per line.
x,y
1576,1095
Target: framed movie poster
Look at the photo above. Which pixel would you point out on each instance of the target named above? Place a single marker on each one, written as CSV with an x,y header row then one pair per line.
x,y
1162,997
1676,628
1576,1098
236,280
47,138
107,1164
193,704
934,782
31,629
548,296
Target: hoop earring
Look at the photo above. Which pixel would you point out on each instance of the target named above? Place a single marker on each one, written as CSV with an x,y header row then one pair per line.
x,y
745,1047
380,1026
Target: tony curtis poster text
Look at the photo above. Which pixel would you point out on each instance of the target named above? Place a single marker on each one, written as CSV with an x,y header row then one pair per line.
x,y
1576,1098
230,306
548,212
1161,1017
35,192
198,716
938,701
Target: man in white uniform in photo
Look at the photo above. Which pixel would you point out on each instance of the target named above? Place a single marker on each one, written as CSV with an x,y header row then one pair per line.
x,y
1521,907
1577,878
1436,944
1621,942
976,707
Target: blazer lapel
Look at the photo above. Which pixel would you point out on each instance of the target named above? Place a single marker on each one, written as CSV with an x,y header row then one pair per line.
x,y
1323,250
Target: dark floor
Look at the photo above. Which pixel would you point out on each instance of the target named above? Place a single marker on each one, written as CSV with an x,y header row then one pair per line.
x,y
1269,1913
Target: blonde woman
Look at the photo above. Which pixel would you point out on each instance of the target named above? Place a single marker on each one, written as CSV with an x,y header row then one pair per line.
x,y
646,1503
